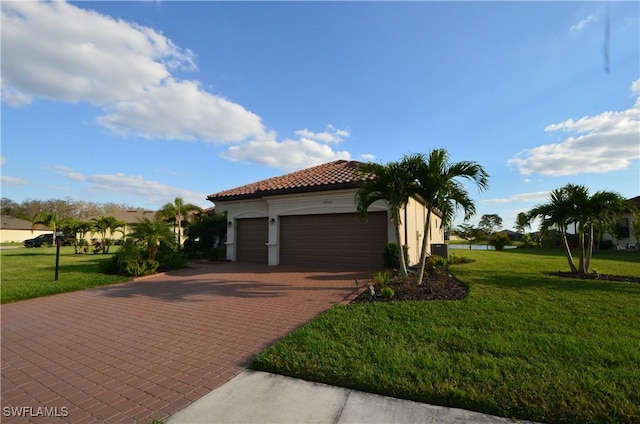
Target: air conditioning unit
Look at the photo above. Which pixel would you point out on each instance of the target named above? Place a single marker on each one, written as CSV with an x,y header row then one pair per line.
x,y
440,249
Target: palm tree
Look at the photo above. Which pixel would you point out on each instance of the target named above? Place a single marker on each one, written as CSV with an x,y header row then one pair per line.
x,y
391,183
153,233
572,204
75,226
49,219
522,222
177,212
104,224
558,213
438,186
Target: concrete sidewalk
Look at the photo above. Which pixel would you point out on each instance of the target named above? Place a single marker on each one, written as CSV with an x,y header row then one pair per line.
x,y
259,397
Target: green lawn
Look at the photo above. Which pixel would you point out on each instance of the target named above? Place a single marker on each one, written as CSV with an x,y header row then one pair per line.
x,y
28,273
523,344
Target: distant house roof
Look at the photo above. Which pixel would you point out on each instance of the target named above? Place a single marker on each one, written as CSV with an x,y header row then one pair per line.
x,y
636,201
12,223
340,174
131,216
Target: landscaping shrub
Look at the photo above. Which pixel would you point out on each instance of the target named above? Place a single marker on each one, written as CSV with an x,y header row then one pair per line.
x,y
387,292
176,260
499,241
391,258
131,260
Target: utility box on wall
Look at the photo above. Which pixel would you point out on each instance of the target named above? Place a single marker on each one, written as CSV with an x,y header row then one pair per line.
x,y
440,249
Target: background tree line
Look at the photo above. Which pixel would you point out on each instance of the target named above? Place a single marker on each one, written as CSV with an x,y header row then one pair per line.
x,y
79,209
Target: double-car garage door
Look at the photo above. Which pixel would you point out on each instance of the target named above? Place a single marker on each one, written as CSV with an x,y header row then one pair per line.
x,y
331,241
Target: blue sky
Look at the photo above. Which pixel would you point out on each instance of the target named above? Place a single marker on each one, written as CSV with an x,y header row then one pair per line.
x,y
140,102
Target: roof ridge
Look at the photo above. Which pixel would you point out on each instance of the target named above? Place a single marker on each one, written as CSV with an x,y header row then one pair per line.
x,y
330,175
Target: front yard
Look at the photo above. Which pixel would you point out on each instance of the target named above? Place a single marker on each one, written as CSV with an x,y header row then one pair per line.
x,y
523,344
29,273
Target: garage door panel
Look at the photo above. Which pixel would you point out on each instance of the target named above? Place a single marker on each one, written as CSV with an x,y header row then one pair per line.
x,y
252,235
333,240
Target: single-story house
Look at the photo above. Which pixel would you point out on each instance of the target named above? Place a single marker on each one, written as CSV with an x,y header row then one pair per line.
x,y
629,235
513,235
129,217
309,218
15,230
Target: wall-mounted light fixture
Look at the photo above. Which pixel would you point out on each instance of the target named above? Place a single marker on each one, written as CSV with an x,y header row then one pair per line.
x,y
230,223
272,221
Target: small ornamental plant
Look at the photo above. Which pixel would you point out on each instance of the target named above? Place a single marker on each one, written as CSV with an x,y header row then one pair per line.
x,y
387,292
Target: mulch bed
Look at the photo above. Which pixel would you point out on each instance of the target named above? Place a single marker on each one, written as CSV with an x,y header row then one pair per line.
x,y
600,277
447,288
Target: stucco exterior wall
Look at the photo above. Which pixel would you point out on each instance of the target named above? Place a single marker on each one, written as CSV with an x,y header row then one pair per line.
x,y
13,236
412,229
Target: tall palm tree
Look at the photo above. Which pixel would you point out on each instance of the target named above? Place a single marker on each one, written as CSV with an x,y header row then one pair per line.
x,y
177,212
75,227
442,192
153,233
391,183
558,213
49,219
522,222
572,204
104,224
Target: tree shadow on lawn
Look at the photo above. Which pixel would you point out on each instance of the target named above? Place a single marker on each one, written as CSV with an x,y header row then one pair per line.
x,y
632,256
551,282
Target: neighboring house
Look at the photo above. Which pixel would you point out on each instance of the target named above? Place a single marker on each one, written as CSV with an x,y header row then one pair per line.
x,y
19,230
309,218
628,238
513,235
127,216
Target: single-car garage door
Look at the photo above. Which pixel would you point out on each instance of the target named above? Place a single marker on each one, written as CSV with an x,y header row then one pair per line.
x,y
252,235
333,241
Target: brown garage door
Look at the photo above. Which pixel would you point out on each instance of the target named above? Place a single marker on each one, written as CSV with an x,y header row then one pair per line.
x,y
333,241
252,235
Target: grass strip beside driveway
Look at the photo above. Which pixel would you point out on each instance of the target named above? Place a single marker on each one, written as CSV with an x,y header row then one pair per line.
x,y
523,344
29,273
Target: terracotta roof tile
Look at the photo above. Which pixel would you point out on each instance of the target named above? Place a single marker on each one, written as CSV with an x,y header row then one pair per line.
x,y
329,176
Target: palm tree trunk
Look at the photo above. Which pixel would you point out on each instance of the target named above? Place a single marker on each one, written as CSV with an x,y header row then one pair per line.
x,y
179,230
403,264
423,249
567,251
589,252
583,248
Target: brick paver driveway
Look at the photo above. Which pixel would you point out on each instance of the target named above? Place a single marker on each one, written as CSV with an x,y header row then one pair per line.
x,y
144,350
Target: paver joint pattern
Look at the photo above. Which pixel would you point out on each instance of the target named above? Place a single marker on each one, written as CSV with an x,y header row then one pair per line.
x,y
143,350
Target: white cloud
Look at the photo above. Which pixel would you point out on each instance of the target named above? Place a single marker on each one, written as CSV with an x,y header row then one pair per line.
x,y
153,192
635,87
583,23
6,180
288,155
65,171
602,143
523,197
182,111
368,157
57,51
332,135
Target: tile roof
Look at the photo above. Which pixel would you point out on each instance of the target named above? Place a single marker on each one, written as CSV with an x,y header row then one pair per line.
x,y
335,175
